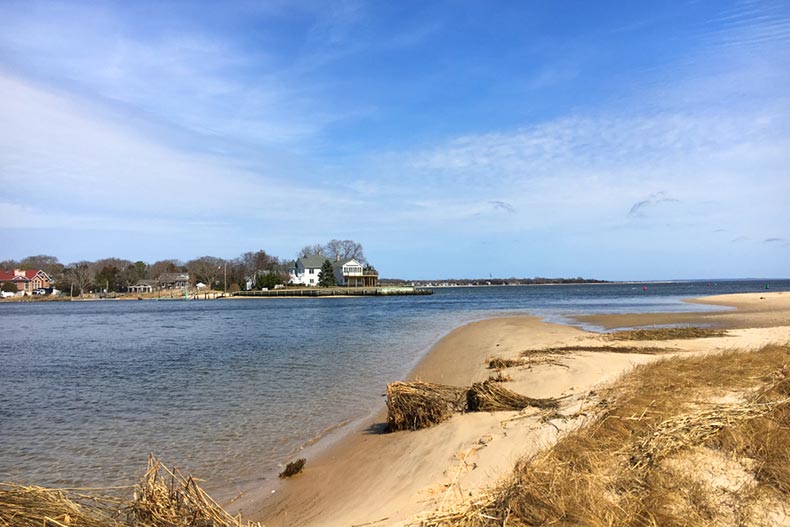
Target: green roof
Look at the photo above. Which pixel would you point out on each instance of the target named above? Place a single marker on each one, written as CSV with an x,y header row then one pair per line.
x,y
314,260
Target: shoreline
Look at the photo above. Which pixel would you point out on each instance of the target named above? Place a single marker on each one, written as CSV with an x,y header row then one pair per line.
x,y
360,475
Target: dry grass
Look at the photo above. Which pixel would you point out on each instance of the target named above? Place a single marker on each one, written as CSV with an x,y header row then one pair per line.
x,y
675,333
500,377
498,363
492,397
562,350
32,506
416,405
626,468
162,498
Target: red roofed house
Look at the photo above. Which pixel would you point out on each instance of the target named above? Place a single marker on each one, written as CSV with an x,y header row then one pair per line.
x,y
26,280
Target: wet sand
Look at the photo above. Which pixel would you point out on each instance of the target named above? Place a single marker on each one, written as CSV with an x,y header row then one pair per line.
x,y
375,478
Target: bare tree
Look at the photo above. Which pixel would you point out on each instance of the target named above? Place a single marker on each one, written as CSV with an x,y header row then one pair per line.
x,y
310,250
253,262
157,269
344,249
109,274
79,275
48,264
9,265
207,269
336,249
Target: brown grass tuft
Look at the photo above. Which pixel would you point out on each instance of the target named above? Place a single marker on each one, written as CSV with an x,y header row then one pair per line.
x,y
490,396
498,363
674,333
416,405
500,377
162,498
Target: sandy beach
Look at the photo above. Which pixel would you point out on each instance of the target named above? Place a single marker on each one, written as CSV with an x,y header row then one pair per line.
x,y
376,478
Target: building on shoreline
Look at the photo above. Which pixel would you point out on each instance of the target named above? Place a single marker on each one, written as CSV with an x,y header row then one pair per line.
x,y
306,270
351,273
165,281
348,272
26,280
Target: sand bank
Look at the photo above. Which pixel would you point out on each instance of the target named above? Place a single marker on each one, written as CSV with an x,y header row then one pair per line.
x,y
376,478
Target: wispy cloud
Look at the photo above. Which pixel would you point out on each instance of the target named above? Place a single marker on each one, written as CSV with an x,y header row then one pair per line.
x,y
89,161
503,206
640,208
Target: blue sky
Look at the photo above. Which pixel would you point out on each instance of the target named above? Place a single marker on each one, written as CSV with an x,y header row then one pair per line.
x,y
622,140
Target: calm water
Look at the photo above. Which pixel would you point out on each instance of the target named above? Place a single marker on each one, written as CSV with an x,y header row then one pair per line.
x,y
229,389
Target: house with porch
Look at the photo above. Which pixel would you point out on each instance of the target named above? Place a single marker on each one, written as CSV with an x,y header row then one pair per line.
x,y
144,286
26,280
348,272
351,273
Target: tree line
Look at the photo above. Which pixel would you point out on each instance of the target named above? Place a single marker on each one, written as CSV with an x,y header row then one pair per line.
x,y
250,270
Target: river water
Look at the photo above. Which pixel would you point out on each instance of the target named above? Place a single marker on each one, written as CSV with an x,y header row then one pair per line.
x,y
229,389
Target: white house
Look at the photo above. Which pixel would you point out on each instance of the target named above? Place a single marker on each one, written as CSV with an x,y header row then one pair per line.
x,y
352,273
307,269
348,272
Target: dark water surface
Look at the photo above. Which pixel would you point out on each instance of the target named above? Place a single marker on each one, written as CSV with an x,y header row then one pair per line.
x,y
229,389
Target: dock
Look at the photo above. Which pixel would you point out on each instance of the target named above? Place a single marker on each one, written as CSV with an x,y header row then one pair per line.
x,y
337,291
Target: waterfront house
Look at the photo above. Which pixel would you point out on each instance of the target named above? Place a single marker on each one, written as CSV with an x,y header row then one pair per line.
x,y
307,269
26,280
174,280
144,286
351,273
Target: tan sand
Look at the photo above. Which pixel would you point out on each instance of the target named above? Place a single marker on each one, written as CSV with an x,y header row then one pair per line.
x,y
375,478
752,310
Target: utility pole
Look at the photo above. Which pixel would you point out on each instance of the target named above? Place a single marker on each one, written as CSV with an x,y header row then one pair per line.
x,y
225,291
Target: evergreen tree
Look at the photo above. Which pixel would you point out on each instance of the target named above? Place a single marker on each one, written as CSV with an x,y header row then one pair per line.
x,y
326,278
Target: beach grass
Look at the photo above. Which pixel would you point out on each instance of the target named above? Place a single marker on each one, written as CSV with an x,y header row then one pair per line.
x,y
667,333
417,405
702,440
163,497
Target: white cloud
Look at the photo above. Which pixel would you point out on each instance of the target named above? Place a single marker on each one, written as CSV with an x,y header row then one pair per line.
x,y
206,84
86,159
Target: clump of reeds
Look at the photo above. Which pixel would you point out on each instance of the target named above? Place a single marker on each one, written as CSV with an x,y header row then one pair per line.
x,y
162,498
416,405
669,333
490,396
500,377
293,468
498,363
167,498
33,506
617,471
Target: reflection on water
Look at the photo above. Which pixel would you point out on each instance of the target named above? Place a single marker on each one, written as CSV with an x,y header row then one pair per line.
x,y
228,389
